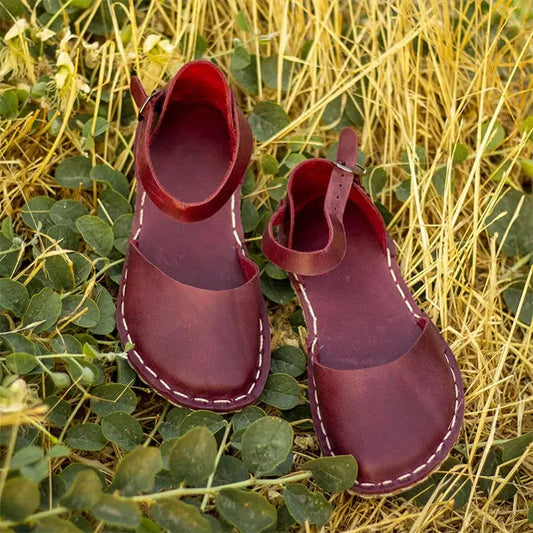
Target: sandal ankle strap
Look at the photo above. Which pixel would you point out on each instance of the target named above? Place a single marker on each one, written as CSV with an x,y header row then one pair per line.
x,y
150,109
320,261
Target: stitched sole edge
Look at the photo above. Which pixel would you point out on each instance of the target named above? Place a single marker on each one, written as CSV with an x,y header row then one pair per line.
x,y
422,472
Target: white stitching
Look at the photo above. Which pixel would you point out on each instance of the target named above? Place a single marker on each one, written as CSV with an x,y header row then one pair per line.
x,y
141,217
400,290
234,225
322,427
139,357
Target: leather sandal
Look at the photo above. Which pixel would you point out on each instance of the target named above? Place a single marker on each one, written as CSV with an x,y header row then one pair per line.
x,y
383,384
189,298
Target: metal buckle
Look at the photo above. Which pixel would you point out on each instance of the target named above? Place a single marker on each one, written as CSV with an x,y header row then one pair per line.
x,y
358,170
145,103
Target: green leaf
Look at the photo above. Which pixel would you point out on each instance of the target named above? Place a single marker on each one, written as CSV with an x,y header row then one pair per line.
x,y
213,421
66,212
61,381
9,256
192,459
240,58
85,491
113,397
36,471
274,271
281,391
59,409
114,178
289,360
374,181
136,471
170,428
7,228
527,166
36,212
148,526
83,372
269,72
121,232
116,511
530,514
293,160
106,306
267,119
440,178
512,297
21,363
250,216
420,159
277,188
59,450
403,190
496,135
459,153
74,172
26,456
279,291
20,498
242,420
112,205
97,234
229,470
54,524
514,448
63,236
86,437
269,165
60,271
306,506
8,100
13,296
82,267
492,474
177,516
334,474
519,239
84,309
241,22
247,511
122,429
44,307
247,77
100,127
421,493
266,443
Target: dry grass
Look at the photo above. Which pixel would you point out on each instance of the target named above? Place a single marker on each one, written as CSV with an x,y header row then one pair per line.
x,y
430,73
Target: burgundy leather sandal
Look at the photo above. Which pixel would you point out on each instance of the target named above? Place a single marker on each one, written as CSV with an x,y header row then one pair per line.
x,y
189,298
383,384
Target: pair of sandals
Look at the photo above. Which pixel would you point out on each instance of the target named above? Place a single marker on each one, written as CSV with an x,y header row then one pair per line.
x,y
383,384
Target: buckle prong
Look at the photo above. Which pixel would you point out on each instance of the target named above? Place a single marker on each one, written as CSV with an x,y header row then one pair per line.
x,y
145,103
358,170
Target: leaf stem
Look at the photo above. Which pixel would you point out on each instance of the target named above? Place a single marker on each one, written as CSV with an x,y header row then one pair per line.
x,y
298,476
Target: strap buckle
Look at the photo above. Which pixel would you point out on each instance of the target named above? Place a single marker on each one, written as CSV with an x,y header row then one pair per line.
x,y
145,103
358,170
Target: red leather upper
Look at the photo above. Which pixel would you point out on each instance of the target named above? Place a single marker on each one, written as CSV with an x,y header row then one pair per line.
x,y
383,384
190,299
